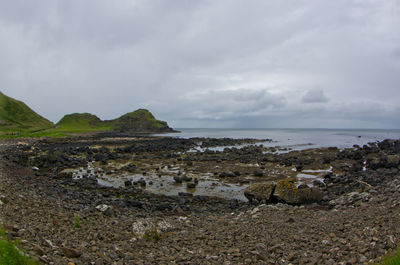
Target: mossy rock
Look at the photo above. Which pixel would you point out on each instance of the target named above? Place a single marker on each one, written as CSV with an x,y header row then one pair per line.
x,y
287,192
260,192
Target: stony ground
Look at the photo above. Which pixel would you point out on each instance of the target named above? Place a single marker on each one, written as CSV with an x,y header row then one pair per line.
x,y
354,228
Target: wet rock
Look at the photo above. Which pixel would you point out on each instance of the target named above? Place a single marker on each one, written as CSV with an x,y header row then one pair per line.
x,y
260,192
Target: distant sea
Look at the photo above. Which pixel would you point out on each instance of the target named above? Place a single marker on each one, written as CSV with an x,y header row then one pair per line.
x,y
297,139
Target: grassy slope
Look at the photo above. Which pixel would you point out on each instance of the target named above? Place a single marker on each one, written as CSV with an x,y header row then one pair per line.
x,y
81,122
141,120
16,116
142,116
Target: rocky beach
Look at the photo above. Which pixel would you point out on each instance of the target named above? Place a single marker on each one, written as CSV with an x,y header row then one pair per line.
x,y
112,199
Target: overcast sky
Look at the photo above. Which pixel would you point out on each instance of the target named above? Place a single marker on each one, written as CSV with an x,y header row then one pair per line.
x,y
199,63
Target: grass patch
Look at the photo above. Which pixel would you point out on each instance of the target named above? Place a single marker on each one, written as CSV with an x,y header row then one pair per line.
x,y
152,234
77,222
392,259
10,254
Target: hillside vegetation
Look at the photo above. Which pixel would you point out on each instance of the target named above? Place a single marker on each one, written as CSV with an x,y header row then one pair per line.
x,y
17,116
17,119
81,122
140,120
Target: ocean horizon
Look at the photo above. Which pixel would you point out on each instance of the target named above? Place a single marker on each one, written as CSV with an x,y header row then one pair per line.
x,y
296,139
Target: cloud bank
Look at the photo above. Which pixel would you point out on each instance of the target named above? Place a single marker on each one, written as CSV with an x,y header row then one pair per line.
x,y
229,63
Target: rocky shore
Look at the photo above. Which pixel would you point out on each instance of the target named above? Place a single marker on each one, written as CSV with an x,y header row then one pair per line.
x,y
143,200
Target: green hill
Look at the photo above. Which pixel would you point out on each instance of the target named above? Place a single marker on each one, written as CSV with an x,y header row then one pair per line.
x,y
17,119
140,120
81,122
17,116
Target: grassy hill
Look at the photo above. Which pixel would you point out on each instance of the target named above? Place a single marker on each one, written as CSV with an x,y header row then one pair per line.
x,y
140,120
17,116
81,122
17,119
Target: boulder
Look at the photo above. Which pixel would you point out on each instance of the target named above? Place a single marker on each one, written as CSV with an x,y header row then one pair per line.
x,y
260,192
287,192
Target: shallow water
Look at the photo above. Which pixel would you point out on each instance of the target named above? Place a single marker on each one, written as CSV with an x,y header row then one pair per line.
x,y
165,184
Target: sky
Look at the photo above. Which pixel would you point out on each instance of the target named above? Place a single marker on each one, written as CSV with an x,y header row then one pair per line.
x,y
207,63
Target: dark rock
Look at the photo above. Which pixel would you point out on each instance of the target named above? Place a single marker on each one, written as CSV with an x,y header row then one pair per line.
x,y
318,183
131,203
185,194
186,178
178,179
302,186
164,207
128,183
191,185
258,173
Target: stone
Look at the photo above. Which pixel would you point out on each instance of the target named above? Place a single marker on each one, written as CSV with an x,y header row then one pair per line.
x,y
260,192
103,207
286,191
71,253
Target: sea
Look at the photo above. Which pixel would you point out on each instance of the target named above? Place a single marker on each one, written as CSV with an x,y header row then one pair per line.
x,y
296,139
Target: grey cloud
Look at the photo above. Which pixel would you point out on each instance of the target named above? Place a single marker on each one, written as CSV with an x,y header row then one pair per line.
x,y
196,62
315,95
